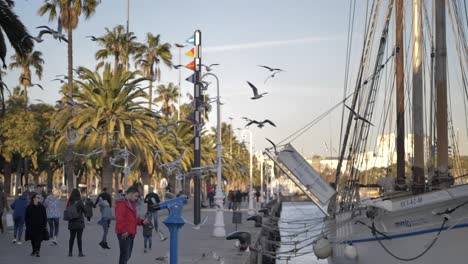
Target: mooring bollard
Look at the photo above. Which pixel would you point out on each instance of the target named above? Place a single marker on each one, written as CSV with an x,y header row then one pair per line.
x,y
174,221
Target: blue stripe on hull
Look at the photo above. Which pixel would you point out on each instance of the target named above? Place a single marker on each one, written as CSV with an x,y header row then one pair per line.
x,y
416,233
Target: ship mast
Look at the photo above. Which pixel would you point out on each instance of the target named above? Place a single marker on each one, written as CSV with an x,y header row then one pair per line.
x,y
440,71
400,97
418,116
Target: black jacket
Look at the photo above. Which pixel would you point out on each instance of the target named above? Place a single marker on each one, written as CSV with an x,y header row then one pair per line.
x,y
36,221
104,196
78,223
151,200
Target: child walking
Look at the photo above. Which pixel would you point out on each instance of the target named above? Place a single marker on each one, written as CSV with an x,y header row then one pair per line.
x,y
148,232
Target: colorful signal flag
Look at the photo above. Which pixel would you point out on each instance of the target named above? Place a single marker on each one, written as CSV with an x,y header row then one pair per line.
x,y
191,66
191,78
191,40
191,53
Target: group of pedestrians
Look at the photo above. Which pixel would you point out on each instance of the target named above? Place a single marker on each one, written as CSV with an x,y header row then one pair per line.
x,y
235,199
37,212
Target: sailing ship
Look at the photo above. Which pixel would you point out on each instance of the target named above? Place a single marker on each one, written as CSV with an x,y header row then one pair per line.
x,y
422,214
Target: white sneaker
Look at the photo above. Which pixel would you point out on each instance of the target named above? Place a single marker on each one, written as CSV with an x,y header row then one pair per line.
x,y
13,241
19,243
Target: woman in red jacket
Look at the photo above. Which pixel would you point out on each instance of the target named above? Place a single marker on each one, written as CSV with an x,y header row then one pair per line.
x,y
126,222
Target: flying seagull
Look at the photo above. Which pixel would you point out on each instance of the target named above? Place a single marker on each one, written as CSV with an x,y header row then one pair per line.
x,y
178,66
93,38
255,92
209,68
271,69
260,124
357,116
271,76
57,34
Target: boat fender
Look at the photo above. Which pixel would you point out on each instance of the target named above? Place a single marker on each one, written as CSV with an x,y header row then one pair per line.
x,y
322,248
350,252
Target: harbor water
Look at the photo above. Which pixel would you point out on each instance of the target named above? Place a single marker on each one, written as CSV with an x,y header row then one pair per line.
x,y
300,222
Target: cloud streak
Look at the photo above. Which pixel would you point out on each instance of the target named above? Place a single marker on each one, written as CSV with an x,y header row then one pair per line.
x,y
264,44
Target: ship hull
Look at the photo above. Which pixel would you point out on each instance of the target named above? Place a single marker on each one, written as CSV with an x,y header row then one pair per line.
x,y
427,234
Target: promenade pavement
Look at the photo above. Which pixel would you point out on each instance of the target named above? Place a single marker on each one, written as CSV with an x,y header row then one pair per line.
x,y
193,244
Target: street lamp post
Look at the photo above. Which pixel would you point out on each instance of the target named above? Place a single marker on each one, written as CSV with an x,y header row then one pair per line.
x,y
261,158
218,230
179,46
251,210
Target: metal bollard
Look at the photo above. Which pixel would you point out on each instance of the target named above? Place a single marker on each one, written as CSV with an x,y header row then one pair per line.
x,y
174,221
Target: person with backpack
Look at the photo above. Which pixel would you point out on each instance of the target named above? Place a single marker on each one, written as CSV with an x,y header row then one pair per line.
x,y
74,214
19,210
36,224
148,233
51,203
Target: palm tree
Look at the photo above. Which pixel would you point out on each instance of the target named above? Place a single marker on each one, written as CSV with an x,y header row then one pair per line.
x,y
34,60
15,31
112,119
69,12
168,96
148,57
118,44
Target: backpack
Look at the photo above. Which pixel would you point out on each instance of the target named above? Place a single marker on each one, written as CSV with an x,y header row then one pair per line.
x,y
71,212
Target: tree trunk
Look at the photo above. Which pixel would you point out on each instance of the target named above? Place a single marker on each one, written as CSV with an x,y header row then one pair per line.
x,y
116,64
19,182
107,172
50,177
145,175
150,94
26,171
69,153
7,174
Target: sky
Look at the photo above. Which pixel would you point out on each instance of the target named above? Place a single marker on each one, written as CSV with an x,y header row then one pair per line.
x,y
305,38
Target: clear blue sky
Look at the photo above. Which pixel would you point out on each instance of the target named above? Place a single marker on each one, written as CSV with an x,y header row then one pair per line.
x,y
306,38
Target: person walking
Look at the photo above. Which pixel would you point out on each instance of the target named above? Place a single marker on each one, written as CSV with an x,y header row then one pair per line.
x,y
148,233
126,222
89,208
152,201
106,216
3,206
105,196
36,224
76,223
163,187
19,210
52,205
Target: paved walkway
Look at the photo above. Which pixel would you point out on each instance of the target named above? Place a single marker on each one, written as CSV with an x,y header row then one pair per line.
x,y
192,243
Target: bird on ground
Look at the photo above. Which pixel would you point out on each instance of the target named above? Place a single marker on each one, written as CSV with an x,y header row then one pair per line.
x,y
357,116
260,124
209,67
255,92
270,68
